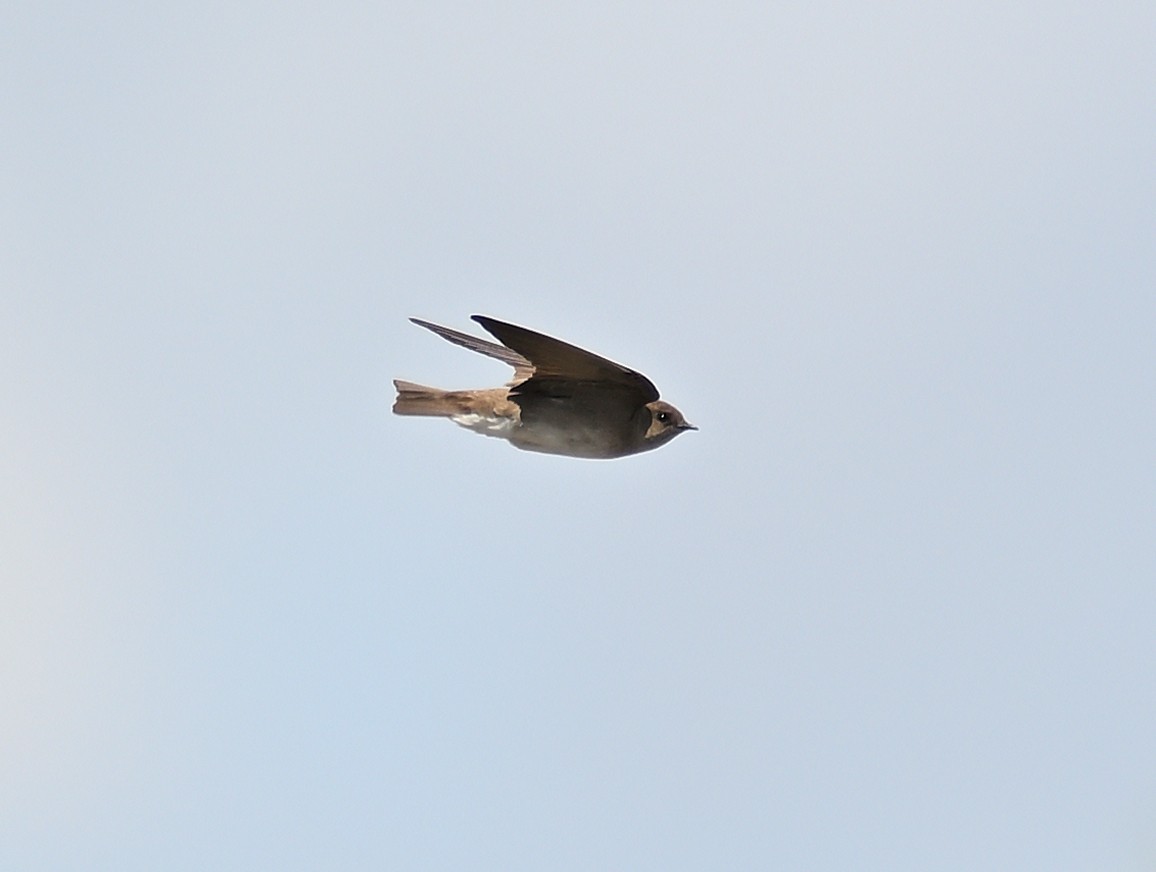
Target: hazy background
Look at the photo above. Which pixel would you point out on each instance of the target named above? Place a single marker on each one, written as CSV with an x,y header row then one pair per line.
x,y
893,608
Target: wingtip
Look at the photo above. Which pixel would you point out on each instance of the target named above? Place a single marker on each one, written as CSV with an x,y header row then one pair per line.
x,y
486,323
428,325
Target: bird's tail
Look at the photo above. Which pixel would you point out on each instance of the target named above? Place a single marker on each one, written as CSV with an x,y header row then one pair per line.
x,y
414,399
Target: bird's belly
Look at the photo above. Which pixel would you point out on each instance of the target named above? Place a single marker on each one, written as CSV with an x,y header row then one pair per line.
x,y
488,425
571,439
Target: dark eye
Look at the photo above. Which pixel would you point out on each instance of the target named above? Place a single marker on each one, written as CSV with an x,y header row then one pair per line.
x,y
664,417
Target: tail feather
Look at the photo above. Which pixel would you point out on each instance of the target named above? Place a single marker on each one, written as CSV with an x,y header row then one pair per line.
x,y
415,399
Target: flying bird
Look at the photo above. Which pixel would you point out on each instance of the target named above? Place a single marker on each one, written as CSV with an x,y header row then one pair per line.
x,y
562,399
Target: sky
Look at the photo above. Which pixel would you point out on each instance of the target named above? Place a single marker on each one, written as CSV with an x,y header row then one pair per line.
x,y
891,608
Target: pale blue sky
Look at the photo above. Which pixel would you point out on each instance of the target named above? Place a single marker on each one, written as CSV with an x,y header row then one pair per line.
x,y
892,608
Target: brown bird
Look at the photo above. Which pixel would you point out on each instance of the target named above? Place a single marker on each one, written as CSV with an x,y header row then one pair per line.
x,y
562,400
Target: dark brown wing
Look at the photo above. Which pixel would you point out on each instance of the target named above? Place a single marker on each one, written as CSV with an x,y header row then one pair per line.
x,y
553,359
523,369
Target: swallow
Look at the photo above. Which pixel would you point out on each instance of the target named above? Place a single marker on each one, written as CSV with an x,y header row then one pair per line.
x,y
562,399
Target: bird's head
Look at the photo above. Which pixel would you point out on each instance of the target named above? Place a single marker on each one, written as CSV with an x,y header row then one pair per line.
x,y
666,422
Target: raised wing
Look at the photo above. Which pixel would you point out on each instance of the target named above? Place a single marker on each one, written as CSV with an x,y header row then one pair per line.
x,y
523,369
553,359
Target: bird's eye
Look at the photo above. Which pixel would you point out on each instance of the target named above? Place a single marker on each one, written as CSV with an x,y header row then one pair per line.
x,y
664,417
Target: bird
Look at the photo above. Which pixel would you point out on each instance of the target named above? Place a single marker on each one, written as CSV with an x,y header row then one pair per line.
x,y
562,400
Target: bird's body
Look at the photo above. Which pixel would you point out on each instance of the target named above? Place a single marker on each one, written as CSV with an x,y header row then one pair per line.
x,y
562,400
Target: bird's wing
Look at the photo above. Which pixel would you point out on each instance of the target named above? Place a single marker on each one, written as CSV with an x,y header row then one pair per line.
x,y
553,359
523,369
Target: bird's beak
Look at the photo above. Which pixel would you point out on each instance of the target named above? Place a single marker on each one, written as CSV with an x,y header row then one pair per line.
x,y
688,426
